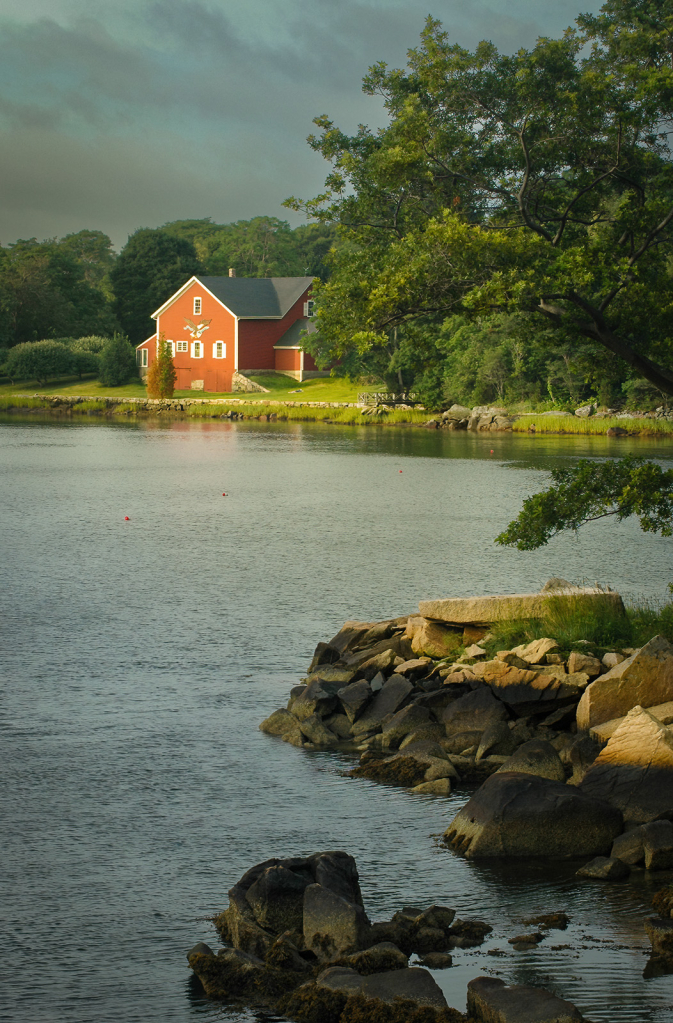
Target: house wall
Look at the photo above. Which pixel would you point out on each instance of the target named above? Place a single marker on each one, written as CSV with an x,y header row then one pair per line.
x,y
215,373
256,338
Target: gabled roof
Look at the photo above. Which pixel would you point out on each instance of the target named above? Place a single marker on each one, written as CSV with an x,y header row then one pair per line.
x,y
250,298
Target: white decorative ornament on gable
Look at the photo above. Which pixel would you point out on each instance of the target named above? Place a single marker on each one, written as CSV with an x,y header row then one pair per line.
x,y
196,329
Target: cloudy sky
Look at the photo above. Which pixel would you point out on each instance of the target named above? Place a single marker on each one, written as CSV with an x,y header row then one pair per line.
x,y
118,114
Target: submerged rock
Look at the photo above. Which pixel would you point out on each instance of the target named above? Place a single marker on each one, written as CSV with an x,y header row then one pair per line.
x,y
489,1000
605,868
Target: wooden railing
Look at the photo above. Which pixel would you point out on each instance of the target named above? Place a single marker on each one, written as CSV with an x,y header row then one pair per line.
x,y
387,398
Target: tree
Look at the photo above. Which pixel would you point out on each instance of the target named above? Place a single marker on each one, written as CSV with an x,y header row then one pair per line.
x,y
150,268
540,182
117,362
161,375
591,491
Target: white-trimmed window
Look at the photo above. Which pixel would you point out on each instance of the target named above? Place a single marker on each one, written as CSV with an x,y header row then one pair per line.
x,y
197,306
197,349
143,355
308,307
171,348
182,346
219,350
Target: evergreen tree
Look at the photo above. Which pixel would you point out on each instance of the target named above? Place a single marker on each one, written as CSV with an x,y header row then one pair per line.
x,y
161,375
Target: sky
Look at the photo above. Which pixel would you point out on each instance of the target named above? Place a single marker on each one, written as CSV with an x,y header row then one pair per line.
x,y
120,114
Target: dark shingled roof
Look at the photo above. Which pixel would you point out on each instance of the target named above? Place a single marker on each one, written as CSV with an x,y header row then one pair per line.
x,y
257,297
291,337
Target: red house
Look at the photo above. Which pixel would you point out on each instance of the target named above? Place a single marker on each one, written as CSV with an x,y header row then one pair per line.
x,y
218,327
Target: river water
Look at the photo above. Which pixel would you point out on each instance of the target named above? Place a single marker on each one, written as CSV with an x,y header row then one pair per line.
x,y
141,655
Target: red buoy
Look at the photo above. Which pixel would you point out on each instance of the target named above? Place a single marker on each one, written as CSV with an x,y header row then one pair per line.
x,y
126,518
224,495
491,450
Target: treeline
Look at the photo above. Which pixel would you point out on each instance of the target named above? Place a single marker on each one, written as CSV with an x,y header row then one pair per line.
x,y
76,286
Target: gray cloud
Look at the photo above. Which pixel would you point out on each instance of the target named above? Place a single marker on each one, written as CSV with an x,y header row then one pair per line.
x,y
121,116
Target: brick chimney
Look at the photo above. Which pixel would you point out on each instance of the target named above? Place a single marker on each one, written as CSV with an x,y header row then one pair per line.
x,y
232,272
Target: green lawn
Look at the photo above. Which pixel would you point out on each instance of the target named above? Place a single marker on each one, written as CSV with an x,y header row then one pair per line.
x,y
281,388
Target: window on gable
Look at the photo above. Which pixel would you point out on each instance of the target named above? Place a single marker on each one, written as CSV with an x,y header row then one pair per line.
x,y
182,346
197,306
308,307
197,350
144,354
219,350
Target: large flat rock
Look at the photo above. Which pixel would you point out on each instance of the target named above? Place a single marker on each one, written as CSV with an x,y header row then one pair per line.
x,y
601,733
514,815
644,679
510,606
489,1000
413,983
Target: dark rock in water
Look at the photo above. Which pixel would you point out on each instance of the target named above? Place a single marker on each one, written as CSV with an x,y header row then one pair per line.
x,y
414,984
337,871
604,868
316,731
388,700
469,933
377,959
629,847
231,973
315,699
473,712
658,845
663,901
529,940
324,654
339,724
437,961
525,815
660,933
200,949
404,722
489,1000
277,899
536,757
551,921
237,924
279,723
332,925
354,698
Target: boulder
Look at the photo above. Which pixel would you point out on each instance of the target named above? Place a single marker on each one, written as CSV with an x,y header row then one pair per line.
x,y
634,771
339,724
238,925
404,722
314,729
497,739
382,662
657,839
396,644
314,699
660,933
489,1000
529,692
332,676
486,610
473,712
459,743
581,754
412,984
629,847
438,787
349,636
601,733
323,654
536,757
437,961
417,667
611,660
354,698
525,815
644,679
377,959
332,925
430,639
605,868
279,723
536,651
431,731
458,412
390,698
231,973
337,871
277,899
584,662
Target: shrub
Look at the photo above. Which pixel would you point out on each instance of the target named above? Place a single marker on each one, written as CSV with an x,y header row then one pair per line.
x,y
93,343
39,360
117,362
161,375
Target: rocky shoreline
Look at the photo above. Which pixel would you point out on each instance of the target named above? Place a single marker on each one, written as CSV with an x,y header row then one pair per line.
x,y
563,755
479,419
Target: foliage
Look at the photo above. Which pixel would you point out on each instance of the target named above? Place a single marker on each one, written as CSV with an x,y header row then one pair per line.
x,y
117,362
594,490
539,182
45,293
161,375
261,247
92,343
150,268
39,360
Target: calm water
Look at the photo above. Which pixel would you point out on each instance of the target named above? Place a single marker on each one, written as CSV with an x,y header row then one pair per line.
x,y
140,656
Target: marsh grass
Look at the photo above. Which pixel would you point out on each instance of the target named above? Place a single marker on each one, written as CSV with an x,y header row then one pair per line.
x,y
8,401
92,405
590,425
573,624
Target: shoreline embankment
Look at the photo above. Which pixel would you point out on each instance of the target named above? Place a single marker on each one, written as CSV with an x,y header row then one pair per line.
x,y
479,419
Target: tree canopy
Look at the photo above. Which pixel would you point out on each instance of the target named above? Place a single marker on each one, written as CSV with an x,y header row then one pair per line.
x,y
595,490
538,183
